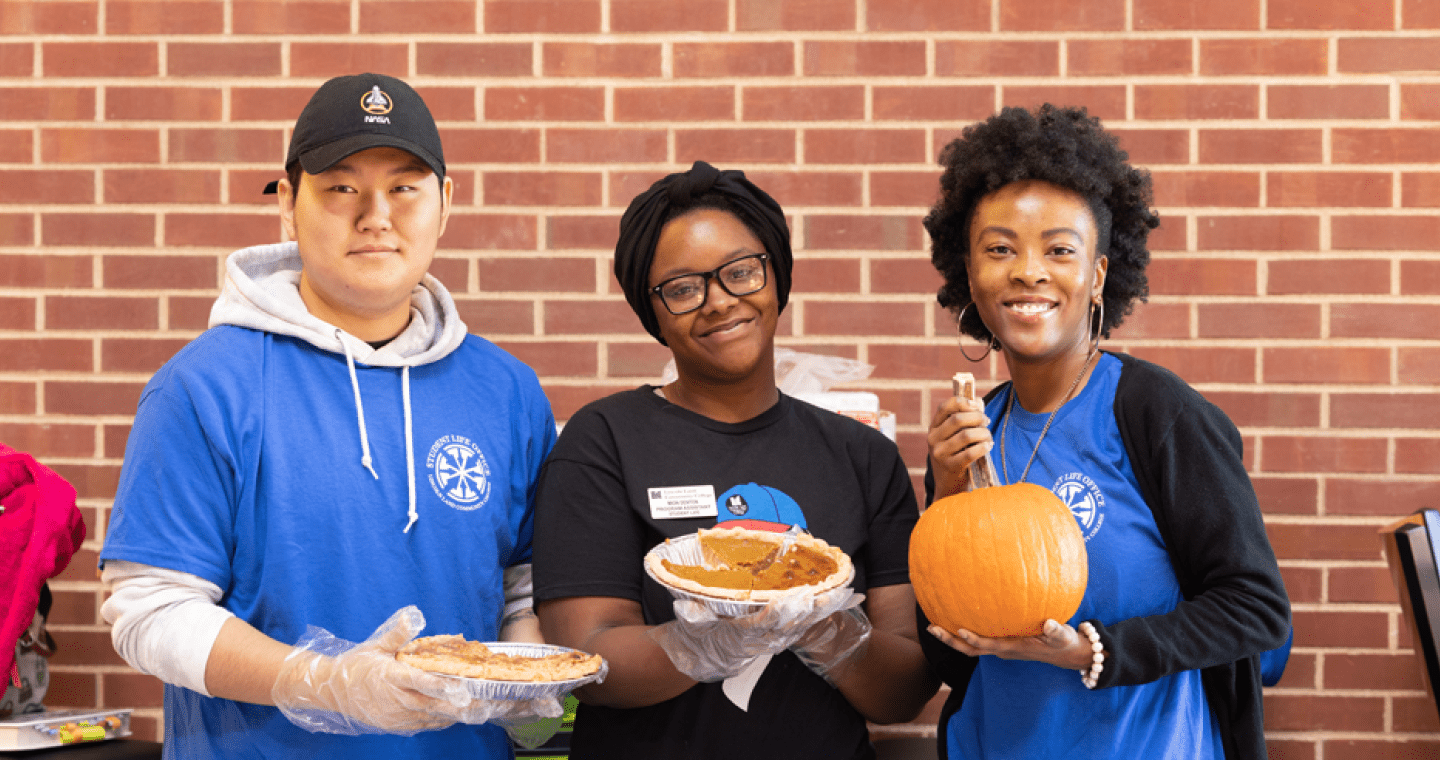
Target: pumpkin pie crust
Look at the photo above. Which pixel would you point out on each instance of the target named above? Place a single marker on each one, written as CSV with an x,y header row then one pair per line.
x,y
747,565
453,655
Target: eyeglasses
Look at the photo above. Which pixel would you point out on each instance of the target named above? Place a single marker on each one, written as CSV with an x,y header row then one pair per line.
x,y
688,292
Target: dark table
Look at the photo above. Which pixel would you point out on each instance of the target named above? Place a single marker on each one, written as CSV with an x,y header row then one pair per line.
x,y
112,749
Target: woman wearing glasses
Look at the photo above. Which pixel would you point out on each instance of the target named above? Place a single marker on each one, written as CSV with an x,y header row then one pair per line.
x,y
704,259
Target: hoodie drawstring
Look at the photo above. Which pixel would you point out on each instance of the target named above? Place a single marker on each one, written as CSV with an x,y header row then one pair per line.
x,y
409,445
412,513
359,407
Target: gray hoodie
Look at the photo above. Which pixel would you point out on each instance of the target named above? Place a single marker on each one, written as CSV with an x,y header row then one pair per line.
x,y
262,292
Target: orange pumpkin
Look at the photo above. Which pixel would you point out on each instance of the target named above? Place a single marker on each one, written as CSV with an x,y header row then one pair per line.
x,y
998,561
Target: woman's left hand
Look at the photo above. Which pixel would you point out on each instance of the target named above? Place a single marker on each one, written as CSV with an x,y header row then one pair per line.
x,y
1058,644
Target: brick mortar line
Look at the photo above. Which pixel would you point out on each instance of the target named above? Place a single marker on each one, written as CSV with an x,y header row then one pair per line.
x,y
1326,213
77,419
1295,690
1298,691
759,165
1377,608
85,669
1376,737
1360,521
78,376
1337,564
912,125
939,382
628,339
109,376
793,167
601,38
976,80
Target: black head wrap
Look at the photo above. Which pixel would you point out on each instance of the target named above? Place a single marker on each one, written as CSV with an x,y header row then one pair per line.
x,y
703,186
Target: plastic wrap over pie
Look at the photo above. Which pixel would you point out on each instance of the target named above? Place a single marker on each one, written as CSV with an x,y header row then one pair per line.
x,y
744,565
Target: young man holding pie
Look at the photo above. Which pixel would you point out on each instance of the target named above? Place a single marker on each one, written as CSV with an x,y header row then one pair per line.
x,y
704,259
333,449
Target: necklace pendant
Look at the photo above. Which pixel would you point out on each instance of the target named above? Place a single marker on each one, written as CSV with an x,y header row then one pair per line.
x,y
1005,426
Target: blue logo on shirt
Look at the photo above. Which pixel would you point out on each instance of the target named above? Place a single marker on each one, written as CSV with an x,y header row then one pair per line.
x,y
1083,497
459,474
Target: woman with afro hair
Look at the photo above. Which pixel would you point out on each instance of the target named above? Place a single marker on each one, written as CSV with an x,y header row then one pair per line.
x,y
1040,236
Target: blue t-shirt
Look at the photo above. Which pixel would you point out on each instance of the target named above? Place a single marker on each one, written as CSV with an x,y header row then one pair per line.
x,y
243,467
1024,710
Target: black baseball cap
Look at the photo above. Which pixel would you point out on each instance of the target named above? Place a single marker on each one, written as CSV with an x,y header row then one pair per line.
x,y
352,113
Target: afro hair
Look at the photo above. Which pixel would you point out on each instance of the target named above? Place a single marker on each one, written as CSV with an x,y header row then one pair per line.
x,y
1067,148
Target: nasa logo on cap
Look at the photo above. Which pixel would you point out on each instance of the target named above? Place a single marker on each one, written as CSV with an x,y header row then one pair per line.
x,y
376,102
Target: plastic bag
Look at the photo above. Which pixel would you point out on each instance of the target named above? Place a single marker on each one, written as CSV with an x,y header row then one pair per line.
x,y
799,372
709,647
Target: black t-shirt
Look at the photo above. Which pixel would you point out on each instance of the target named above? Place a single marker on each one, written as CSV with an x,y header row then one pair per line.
x,y
626,465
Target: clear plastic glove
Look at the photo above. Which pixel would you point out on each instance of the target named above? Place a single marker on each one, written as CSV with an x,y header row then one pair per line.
x,y
533,733
534,721
709,647
531,722
835,641
329,685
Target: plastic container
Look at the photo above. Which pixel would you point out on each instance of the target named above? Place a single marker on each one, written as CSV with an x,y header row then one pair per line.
x,y
59,728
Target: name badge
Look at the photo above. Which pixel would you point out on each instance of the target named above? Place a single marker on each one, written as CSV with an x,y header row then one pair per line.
x,y
679,502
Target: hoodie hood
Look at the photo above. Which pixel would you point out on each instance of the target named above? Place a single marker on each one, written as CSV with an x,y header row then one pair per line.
x,y
262,292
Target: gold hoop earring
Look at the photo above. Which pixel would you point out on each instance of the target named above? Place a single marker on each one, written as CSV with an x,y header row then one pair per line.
x,y
1099,326
991,346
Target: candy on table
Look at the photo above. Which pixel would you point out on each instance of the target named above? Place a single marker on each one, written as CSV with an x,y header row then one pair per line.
x,y
80,732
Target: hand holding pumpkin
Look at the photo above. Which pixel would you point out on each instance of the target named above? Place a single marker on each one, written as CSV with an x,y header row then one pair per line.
x,y
1058,644
999,566
959,434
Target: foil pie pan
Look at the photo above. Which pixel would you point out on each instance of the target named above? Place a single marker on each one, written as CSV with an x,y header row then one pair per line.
x,y
685,550
484,688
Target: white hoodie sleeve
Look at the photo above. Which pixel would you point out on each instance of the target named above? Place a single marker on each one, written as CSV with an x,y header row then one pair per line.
x,y
163,622
519,593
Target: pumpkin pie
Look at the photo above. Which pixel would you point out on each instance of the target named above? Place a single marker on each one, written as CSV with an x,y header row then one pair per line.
x,y
453,655
741,564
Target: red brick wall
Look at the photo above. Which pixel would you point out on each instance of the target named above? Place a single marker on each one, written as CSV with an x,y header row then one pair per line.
x,y
1295,146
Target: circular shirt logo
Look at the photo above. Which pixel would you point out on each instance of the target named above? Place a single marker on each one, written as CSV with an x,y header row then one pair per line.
x,y
376,101
459,474
1085,501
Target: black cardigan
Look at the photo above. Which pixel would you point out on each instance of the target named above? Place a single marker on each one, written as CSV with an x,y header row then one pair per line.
x,y
1187,457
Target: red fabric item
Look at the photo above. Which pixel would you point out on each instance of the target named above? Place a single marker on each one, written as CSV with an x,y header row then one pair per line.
x,y
40,529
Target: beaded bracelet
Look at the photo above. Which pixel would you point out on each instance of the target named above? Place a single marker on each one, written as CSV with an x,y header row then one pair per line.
x,y
1091,676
